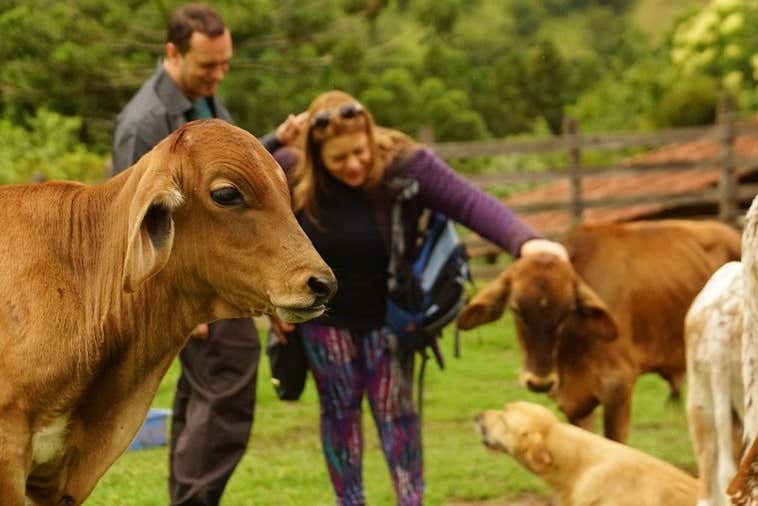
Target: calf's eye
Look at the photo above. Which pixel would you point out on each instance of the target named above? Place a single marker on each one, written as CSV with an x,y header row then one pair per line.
x,y
227,196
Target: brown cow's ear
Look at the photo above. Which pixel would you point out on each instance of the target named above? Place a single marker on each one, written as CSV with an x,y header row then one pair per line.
x,y
488,305
596,321
150,227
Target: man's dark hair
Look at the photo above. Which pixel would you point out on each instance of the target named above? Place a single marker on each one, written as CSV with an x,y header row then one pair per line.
x,y
193,18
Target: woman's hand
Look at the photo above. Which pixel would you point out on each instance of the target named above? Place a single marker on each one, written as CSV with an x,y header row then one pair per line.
x,y
280,328
291,128
200,332
535,246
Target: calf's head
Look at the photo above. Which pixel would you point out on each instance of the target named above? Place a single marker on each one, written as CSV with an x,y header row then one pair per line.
x,y
210,208
555,313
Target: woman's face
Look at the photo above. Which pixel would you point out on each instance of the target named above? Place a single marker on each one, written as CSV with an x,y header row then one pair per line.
x,y
347,158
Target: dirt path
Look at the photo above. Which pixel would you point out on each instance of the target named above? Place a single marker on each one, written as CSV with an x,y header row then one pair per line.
x,y
522,500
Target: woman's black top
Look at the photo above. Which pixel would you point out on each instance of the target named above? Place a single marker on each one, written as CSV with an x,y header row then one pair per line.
x,y
349,241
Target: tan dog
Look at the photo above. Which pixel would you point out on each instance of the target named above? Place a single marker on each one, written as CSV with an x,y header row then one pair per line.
x,y
582,468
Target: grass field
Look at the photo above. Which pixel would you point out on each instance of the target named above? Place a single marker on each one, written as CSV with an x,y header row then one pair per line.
x,y
284,466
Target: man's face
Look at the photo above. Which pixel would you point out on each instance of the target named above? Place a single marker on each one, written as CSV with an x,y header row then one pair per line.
x,y
199,71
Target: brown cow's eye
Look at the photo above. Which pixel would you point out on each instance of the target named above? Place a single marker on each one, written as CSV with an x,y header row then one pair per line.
x,y
227,196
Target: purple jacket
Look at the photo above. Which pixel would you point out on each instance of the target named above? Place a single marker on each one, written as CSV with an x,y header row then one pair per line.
x,y
441,189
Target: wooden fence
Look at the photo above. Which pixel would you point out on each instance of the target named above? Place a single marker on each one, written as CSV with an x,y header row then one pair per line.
x,y
726,196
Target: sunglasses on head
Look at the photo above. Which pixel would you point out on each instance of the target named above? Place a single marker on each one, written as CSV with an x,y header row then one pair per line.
x,y
345,111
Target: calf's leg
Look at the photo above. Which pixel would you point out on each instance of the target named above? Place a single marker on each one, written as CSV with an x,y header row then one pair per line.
x,y
14,458
617,407
702,432
724,426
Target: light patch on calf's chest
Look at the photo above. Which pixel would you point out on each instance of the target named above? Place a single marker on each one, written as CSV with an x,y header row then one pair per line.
x,y
48,443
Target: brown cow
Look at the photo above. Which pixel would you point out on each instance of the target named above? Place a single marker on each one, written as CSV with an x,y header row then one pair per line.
x,y
100,287
590,328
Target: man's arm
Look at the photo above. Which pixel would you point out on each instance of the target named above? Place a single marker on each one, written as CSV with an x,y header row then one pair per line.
x,y
128,147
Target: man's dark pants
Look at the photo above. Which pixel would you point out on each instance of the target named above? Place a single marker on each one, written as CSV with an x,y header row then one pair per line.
x,y
213,411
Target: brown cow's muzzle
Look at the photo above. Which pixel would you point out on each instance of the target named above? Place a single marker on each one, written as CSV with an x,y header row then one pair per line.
x,y
540,384
316,289
323,288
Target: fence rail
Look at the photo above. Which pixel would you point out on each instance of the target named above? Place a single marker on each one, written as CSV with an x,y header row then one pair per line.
x,y
726,196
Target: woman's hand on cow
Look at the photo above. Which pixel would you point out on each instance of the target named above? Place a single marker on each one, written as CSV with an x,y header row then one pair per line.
x,y
535,246
291,128
280,328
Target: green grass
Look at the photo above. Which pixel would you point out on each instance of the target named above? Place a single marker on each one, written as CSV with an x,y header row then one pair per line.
x,y
284,466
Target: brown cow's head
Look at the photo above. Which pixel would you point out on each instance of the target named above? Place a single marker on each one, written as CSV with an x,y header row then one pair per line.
x,y
212,208
554,311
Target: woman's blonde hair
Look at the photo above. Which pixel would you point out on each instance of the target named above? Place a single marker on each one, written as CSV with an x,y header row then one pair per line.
x,y
331,114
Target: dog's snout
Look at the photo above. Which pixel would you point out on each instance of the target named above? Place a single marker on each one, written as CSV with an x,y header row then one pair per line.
x,y
322,287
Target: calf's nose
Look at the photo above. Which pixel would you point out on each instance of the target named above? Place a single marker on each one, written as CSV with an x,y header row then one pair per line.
x,y
539,386
322,287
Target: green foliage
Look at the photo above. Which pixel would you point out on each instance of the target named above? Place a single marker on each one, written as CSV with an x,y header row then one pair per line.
x,y
468,69
49,147
441,14
547,75
621,101
78,59
688,102
720,40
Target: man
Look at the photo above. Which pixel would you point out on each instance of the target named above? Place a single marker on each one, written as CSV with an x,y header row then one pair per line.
x,y
215,396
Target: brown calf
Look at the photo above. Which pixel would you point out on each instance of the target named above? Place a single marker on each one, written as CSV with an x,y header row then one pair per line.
x,y
100,287
588,329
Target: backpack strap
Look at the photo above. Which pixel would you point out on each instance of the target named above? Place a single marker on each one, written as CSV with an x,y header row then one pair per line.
x,y
403,189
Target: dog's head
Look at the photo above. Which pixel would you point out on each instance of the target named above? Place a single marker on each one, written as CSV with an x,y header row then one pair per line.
x,y
520,429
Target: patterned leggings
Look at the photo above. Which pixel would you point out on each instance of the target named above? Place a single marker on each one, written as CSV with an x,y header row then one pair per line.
x,y
344,364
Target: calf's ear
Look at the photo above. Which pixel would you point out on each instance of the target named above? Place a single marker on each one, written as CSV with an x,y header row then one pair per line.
x,y
591,317
488,305
150,230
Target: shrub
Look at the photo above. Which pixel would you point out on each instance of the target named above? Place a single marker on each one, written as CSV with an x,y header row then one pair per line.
x,y
47,146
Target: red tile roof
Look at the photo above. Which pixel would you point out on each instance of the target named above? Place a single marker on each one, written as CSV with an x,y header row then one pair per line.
x,y
664,182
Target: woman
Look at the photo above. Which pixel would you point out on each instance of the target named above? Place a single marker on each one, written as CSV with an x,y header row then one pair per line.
x,y
342,200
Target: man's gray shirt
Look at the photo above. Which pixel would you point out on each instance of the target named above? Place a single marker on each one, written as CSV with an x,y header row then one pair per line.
x,y
158,108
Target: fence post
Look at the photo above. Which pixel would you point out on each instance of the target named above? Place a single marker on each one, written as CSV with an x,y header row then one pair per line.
x,y
727,119
570,134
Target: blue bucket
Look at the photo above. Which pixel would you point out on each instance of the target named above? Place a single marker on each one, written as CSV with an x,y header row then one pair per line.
x,y
153,431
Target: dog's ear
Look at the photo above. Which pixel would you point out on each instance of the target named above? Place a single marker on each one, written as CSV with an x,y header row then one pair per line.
x,y
488,305
150,230
536,456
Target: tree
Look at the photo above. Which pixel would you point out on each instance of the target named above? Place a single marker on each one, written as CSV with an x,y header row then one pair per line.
x,y
546,75
719,40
